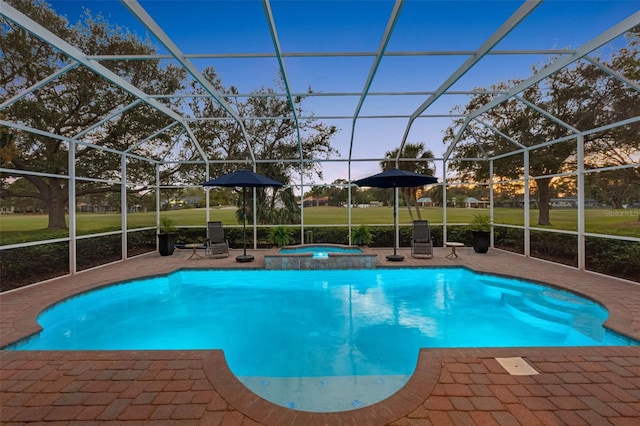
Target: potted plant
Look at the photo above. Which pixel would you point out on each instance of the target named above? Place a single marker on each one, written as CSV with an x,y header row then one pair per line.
x,y
361,236
481,231
166,237
281,235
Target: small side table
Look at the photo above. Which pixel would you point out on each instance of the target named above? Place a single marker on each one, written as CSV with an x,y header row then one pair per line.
x,y
195,247
453,246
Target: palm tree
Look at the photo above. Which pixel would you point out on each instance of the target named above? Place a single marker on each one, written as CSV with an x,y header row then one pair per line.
x,y
421,166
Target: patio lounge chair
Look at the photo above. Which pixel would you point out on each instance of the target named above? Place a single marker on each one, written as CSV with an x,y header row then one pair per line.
x,y
421,242
216,244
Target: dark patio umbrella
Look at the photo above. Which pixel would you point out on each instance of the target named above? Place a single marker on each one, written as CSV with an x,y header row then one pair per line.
x,y
244,179
396,178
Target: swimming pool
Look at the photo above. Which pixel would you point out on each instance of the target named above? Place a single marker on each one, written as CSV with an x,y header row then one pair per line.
x,y
322,340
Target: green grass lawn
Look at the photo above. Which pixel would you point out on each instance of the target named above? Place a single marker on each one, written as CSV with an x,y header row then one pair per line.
x,y
19,228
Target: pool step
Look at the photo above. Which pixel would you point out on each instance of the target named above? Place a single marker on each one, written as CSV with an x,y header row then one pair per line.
x,y
565,300
541,304
555,321
589,326
585,318
547,309
496,289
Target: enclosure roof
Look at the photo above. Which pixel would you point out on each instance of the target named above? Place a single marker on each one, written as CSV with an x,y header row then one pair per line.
x,y
385,73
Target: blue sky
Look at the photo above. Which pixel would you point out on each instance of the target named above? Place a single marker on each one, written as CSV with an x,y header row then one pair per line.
x,y
358,26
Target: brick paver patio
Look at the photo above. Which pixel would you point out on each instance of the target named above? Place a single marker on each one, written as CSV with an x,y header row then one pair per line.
x,y
575,386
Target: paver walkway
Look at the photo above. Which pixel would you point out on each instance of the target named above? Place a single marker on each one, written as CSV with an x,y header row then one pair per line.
x,y
590,386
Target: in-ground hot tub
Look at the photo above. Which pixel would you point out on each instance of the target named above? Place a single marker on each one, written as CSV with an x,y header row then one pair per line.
x,y
321,256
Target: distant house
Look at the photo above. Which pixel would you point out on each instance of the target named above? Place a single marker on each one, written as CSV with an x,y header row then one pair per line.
x,y
560,203
425,202
193,201
474,203
316,201
571,202
532,203
95,207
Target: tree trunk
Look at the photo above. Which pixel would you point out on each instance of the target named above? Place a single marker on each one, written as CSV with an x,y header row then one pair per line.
x,y
544,201
418,212
617,200
412,197
406,201
56,209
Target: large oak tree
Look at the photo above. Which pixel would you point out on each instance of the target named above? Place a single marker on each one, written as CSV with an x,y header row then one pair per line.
x,y
274,137
79,99
581,95
72,103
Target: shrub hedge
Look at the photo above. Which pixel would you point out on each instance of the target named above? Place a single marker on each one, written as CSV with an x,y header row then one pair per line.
x,y
27,265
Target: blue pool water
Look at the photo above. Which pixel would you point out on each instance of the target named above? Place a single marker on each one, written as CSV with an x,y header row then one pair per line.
x,y
320,249
322,340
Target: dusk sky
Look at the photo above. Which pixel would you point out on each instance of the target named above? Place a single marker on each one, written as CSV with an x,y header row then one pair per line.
x,y
214,27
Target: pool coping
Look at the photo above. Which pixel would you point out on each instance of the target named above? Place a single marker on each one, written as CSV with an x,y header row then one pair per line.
x,y
620,297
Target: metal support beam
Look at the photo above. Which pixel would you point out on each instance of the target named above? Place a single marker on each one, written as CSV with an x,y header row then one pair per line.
x,y
523,11
581,199
123,206
148,138
444,202
613,73
64,138
285,79
478,143
157,200
38,85
491,206
547,114
391,23
331,94
349,190
177,54
175,141
527,205
71,208
604,38
107,118
501,134
74,53
160,56
329,117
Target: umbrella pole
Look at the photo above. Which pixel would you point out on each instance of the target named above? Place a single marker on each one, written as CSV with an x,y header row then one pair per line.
x,y
244,220
395,257
395,221
244,257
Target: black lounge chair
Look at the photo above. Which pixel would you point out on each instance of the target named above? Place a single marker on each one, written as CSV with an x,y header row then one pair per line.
x,y
216,244
421,242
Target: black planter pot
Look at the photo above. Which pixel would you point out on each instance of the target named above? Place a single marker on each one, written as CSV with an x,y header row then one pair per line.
x,y
166,244
481,241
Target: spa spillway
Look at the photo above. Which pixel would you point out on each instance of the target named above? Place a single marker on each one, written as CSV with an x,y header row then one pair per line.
x,y
321,256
